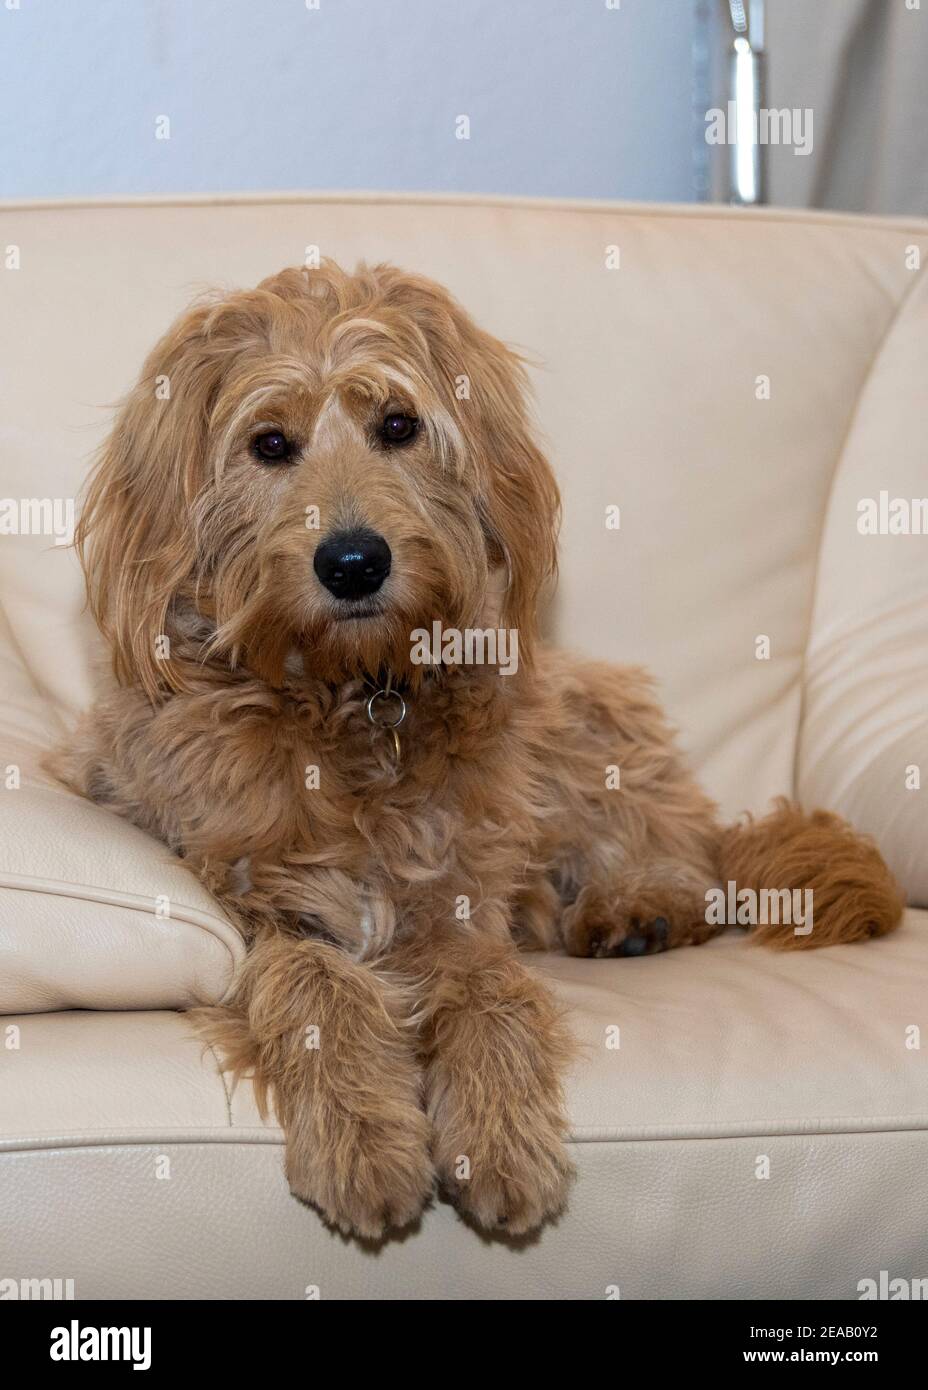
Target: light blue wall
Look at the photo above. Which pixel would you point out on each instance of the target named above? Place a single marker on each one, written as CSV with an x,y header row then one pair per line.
x,y
565,97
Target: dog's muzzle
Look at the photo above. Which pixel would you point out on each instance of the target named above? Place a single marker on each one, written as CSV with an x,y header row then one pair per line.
x,y
352,564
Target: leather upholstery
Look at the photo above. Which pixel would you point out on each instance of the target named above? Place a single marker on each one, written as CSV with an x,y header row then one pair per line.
x,y
738,519
728,1054
96,915
866,663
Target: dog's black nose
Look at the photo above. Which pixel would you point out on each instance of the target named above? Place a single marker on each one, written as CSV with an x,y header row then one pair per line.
x,y
352,564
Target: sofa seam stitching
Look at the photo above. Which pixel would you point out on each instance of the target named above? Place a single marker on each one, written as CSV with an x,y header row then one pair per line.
x,y
133,902
96,893
412,198
274,1136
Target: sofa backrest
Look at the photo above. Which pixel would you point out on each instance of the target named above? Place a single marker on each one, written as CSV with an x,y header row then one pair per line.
x,y
700,369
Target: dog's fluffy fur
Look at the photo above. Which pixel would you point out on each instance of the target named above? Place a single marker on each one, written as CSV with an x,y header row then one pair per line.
x,y
438,1053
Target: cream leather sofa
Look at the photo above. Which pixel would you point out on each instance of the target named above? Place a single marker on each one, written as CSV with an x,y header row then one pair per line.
x,y
736,387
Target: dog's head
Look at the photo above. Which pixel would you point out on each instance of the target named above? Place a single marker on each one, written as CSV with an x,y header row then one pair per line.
x,y
325,463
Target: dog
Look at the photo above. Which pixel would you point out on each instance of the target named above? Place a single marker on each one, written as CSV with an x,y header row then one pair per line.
x,y
306,474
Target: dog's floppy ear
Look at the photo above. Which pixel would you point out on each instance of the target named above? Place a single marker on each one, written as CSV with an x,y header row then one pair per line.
x,y
134,535
518,498
486,386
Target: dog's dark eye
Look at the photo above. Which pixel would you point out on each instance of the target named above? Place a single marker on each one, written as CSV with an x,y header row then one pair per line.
x,y
398,428
272,447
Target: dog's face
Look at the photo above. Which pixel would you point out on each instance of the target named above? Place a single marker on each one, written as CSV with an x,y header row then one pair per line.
x,y
321,466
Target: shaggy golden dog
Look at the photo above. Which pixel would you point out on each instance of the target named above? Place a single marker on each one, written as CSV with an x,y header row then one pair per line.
x,y
306,474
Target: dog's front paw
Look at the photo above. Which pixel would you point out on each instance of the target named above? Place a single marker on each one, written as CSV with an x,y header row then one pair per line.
x,y
497,1113
509,1174
498,1045
365,1175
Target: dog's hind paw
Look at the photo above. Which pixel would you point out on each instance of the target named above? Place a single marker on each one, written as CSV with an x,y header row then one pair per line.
x,y
630,937
642,919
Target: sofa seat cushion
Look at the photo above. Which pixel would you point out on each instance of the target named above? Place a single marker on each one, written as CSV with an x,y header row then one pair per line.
x,y
671,1133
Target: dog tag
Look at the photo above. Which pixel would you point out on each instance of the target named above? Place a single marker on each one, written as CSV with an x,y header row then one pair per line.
x,y
386,709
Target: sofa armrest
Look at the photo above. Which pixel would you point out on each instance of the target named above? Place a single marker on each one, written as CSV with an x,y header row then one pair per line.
x,y
95,914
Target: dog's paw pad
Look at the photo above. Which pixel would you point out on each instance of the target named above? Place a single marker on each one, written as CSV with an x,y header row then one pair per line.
x,y
644,938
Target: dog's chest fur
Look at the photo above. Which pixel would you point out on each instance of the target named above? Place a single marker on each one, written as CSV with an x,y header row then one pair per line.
x,y
290,804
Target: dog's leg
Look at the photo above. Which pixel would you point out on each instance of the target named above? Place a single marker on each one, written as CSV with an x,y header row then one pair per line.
x,y
816,861
632,844
495,1046
333,1042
